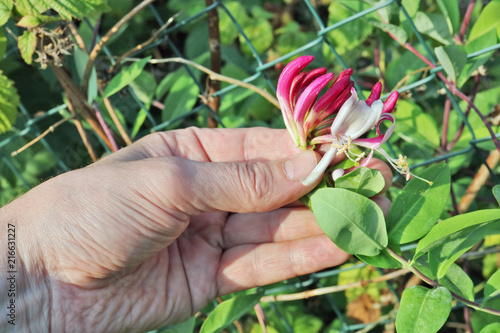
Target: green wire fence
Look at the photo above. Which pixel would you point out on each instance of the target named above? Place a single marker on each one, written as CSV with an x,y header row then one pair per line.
x,y
30,126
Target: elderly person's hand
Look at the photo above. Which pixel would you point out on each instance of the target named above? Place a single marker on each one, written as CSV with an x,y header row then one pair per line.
x,y
149,235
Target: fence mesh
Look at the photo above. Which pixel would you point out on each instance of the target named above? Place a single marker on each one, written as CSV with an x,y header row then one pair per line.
x,y
28,126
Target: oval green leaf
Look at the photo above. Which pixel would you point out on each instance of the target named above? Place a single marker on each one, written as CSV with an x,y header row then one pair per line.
x,y
228,311
492,287
496,193
491,328
423,310
453,59
455,227
383,259
419,205
363,180
487,21
353,222
27,45
125,77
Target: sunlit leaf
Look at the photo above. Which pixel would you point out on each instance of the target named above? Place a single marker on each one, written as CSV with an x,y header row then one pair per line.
x,y
423,310
488,20
9,101
492,287
417,208
496,193
363,180
353,222
27,45
228,311
5,9
453,59
125,77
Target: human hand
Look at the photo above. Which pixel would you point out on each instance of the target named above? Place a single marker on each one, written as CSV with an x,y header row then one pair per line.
x,y
149,235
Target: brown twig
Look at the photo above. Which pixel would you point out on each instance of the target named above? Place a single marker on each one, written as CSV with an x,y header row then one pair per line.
x,y
143,45
78,37
215,60
478,181
333,289
219,77
82,132
105,39
38,138
79,102
113,115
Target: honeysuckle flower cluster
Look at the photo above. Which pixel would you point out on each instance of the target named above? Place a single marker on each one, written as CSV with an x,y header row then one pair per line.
x,y
337,117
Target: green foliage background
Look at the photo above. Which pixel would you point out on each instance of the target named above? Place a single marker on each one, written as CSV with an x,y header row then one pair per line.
x,y
257,39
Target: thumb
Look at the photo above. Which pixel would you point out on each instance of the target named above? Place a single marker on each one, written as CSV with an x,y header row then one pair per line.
x,y
244,187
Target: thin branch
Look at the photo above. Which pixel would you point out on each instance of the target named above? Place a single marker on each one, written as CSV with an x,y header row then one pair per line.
x,y
113,115
215,61
41,136
433,283
478,181
333,289
104,126
78,37
105,39
446,121
82,132
95,32
215,76
260,317
460,130
139,47
452,88
466,21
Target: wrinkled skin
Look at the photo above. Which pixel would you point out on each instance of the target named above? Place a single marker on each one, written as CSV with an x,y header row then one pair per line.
x,y
149,235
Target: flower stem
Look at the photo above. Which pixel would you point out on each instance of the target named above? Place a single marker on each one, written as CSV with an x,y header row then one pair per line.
x,y
406,264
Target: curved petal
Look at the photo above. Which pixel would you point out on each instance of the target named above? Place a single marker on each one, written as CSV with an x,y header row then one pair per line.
x,y
379,140
355,117
319,170
327,138
285,82
305,102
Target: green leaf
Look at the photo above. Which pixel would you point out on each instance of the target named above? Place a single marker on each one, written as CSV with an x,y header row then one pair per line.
x,y
433,25
350,35
228,311
363,180
30,7
441,257
144,87
492,287
488,20
9,101
354,223
27,45
3,43
260,33
397,31
479,319
181,98
307,323
411,7
456,280
491,328
423,310
481,42
30,21
184,327
5,9
459,282
139,120
455,227
125,77
496,193
452,14
383,259
453,59
415,126
417,208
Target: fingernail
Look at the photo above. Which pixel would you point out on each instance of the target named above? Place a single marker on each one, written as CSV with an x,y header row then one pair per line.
x,y
299,166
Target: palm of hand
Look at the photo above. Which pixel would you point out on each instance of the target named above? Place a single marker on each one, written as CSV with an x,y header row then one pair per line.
x,y
155,255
